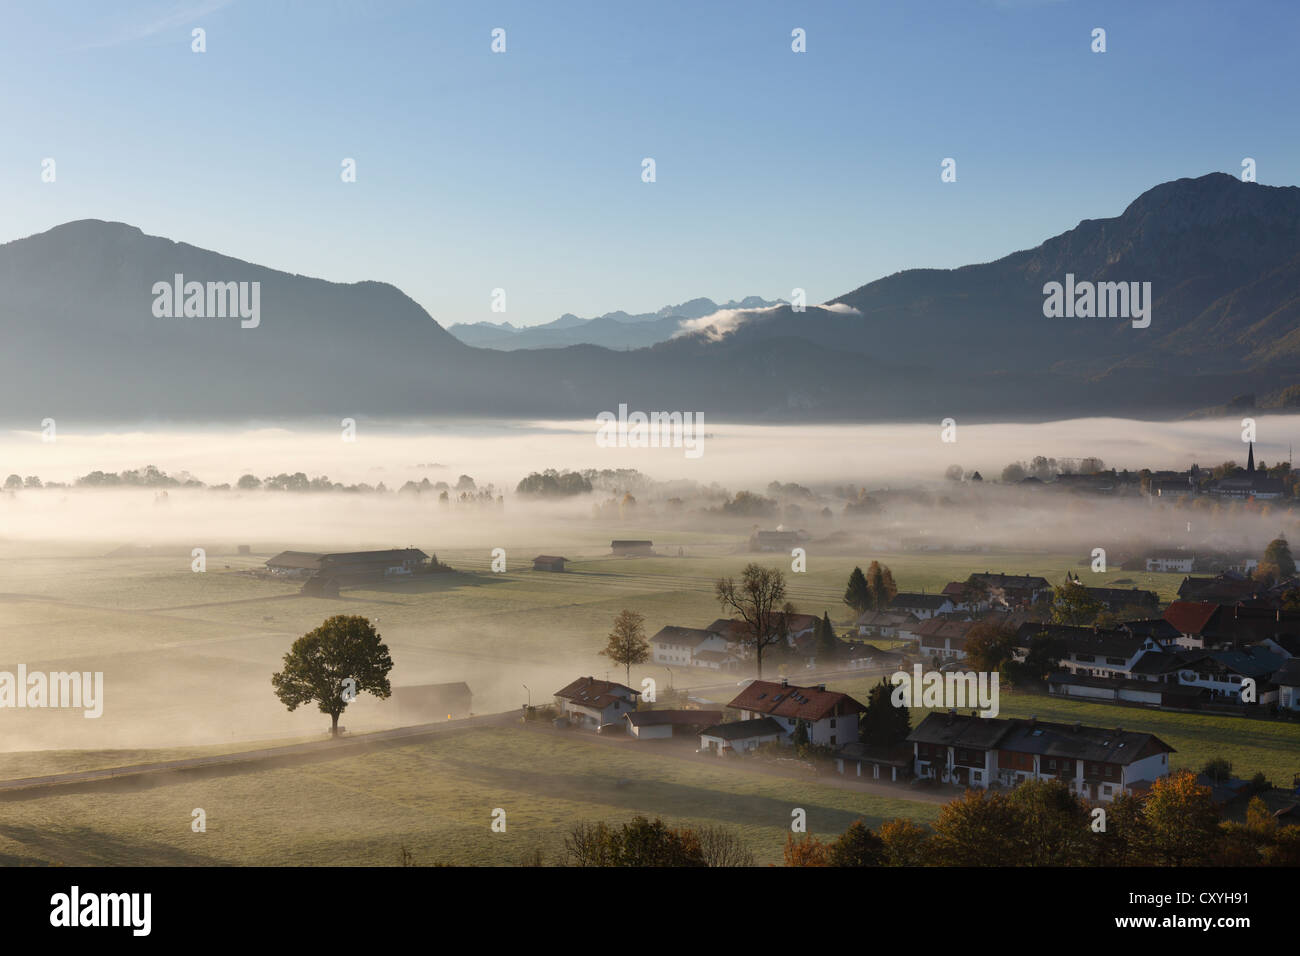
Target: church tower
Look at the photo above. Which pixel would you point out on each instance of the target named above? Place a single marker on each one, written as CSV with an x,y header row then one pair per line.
x,y
1250,460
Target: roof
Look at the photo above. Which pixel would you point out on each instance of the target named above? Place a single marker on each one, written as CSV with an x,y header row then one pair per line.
x,y
295,560
1288,673
790,700
1256,662
548,558
1000,580
1075,742
589,692
1190,617
719,656
732,630
1084,640
885,619
687,718
955,589
1156,662
1119,597
744,729
940,628
908,599
689,636
373,557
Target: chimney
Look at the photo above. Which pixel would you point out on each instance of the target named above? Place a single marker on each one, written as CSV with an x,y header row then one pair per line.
x,y
785,682
821,687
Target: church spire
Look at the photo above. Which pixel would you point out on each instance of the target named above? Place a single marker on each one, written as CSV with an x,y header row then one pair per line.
x,y
1250,460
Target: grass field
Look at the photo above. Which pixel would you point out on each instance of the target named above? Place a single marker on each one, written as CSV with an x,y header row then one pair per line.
x,y
436,798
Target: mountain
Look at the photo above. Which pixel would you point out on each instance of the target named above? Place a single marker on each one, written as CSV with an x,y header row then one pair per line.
x,y
613,330
83,343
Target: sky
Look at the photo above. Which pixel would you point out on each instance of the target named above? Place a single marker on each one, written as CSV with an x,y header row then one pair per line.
x,y
522,170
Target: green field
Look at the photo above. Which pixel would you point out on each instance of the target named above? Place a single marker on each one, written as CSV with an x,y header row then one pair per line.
x,y
436,798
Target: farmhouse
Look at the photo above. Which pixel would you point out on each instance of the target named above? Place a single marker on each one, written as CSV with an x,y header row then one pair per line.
x,y
1165,561
1011,590
348,566
1098,764
886,623
827,717
548,562
657,724
426,703
694,647
594,704
921,606
774,540
942,638
740,736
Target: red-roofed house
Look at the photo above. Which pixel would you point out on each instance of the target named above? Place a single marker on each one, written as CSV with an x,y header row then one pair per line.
x,y
830,718
1191,618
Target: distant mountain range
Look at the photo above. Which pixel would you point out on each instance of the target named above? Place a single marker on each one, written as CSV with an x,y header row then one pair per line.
x,y
613,330
82,339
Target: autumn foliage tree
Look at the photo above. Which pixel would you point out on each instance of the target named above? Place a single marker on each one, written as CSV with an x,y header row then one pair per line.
x,y
627,644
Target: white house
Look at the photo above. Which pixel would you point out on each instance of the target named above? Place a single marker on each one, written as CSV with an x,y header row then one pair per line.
x,y
921,606
740,736
657,724
1170,561
594,704
1288,684
1096,763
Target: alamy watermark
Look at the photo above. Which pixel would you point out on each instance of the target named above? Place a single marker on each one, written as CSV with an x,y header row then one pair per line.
x,y
213,300
955,690
61,689
1099,300
653,430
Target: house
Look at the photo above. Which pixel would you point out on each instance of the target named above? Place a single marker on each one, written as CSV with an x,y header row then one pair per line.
x,y
874,763
1222,673
1089,651
1121,690
740,736
629,549
1172,487
662,724
1192,620
677,645
1116,600
942,639
1224,588
594,704
921,606
549,562
426,703
964,597
1165,561
829,718
858,654
1010,590
1098,764
885,623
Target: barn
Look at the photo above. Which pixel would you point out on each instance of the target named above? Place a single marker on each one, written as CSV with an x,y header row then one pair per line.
x,y
548,562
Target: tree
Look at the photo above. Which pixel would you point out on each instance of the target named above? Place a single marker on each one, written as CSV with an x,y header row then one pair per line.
x,y
1071,604
248,482
989,643
722,847
1013,473
858,593
883,724
856,846
824,639
639,843
759,599
332,664
13,481
880,584
1218,769
978,828
1182,820
904,843
806,852
954,473
1053,824
1277,561
627,644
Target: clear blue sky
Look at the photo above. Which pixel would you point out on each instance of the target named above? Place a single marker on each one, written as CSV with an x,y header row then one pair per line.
x,y
522,170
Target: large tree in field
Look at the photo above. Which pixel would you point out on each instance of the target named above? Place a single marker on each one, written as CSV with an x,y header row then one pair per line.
x,y
1277,563
759,598
989,643
627,644
882,724
1071,604
332,664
